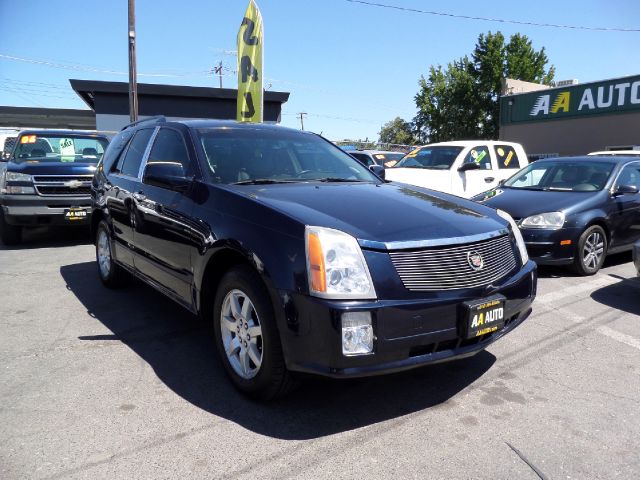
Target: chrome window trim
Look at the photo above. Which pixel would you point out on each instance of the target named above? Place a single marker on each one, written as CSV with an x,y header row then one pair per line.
x,y
433,243
147,152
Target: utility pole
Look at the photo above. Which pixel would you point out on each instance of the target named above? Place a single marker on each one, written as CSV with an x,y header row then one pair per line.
x,y
302,114
133,81
218,70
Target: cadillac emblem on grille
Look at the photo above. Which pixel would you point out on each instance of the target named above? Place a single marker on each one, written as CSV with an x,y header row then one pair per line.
x,y
475,260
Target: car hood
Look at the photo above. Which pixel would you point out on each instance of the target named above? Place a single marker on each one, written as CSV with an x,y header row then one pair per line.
x,y
378,215
521,203
36,167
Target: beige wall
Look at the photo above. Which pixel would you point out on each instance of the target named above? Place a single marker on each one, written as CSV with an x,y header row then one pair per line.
x,y
575,136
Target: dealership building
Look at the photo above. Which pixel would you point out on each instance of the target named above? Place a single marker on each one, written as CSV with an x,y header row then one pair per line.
x,y
573,119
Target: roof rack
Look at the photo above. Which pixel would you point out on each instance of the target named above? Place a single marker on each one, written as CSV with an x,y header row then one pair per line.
x,y
155,119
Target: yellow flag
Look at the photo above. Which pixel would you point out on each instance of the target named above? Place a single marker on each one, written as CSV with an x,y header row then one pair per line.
x,y
250,55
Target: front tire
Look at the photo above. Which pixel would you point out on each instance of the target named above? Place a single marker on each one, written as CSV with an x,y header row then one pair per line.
x,y
111,274
247,337
9,234
592,250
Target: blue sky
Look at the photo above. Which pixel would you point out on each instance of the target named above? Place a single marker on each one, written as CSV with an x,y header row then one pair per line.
x,y
350,66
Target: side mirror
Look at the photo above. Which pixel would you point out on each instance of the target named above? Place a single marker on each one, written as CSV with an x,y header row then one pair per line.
x,y
468,166
625,190
378,170
168,175
501,182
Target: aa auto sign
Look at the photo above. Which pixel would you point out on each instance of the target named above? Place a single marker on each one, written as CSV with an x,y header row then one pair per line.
x,y
610,96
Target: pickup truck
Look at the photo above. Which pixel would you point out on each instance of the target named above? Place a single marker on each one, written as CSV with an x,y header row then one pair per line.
x,y
46,180
464,168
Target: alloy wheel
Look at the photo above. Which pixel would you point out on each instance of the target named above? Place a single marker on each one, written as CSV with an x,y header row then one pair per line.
x,y
104,253
593,250
241,334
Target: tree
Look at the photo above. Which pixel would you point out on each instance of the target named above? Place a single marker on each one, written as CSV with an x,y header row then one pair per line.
x,y
463,100
397,131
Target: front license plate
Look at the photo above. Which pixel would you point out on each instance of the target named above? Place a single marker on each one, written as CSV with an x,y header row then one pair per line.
x,y
483,316
75,214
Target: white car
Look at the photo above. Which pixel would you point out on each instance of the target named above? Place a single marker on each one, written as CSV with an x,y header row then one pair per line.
x,y
464,168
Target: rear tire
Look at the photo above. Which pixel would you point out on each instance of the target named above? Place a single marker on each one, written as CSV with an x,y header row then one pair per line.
x,y
591,252
111,274
247,337
9,234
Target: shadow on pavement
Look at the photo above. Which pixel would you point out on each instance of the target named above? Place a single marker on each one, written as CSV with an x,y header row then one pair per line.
x,y
547,271
623,295
181,352
47,237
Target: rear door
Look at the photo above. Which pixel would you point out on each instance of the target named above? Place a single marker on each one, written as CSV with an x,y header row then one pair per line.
x,y
164,234
483,178
123,180
508,161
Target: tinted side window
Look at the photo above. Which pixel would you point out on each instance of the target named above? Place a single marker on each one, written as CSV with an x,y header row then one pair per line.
x,y
365,159
480,156
507,157
115,148
169,147
630,175
130,164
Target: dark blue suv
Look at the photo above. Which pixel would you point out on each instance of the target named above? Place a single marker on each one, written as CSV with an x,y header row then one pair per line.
x,y
301,258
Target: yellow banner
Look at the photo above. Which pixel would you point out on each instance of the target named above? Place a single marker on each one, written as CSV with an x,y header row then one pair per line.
x,y
250,55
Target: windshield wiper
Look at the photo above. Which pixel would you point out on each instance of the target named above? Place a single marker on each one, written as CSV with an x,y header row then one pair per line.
x,y
333,179
263,181
558,189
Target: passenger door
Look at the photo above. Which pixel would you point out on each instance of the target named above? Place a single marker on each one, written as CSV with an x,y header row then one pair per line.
x,y
626,216
482,178
163,232
123,179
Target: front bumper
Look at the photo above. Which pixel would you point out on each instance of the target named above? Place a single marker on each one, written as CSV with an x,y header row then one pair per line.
x,y
409,333
544,246
34,210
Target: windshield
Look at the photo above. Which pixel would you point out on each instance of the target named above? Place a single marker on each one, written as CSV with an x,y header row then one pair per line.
x,y
59,148
571,176
248,155
440,158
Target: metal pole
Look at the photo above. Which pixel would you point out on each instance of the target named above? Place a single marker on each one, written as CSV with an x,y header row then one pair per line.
x,y
302,114
220,72
133,82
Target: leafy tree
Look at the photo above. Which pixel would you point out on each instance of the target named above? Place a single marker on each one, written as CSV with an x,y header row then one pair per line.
x,y
463,100
397,131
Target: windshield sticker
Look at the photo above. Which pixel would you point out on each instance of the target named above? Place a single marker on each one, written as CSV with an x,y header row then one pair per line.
x,y
501,151
412,153
477,157
508,159
28,139
492,194
67,150
379,157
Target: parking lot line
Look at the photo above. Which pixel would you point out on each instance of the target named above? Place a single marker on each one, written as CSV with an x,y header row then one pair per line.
x,y
620,337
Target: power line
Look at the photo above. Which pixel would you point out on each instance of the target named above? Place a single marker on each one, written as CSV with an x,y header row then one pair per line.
x,y
498,20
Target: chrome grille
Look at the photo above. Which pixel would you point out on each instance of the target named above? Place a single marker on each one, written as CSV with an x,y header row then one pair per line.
x,y
448,268
63,185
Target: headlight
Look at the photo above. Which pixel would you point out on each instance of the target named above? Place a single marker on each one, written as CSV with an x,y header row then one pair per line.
x,y
544,220
516,233
336,266
18,177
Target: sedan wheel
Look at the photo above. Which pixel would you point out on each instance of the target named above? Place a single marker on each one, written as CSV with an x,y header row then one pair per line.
x,y
241,334
111,274
103,253
591,251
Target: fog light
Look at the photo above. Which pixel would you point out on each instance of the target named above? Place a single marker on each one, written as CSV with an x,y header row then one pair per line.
x,y
20,190
357,333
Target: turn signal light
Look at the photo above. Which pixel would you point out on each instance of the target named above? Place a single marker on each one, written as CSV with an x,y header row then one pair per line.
x,y
565,242
316,263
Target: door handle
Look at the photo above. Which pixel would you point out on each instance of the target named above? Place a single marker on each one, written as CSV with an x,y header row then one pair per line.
x,y
489,179
139,196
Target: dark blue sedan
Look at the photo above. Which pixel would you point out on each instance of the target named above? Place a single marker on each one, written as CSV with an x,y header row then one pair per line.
x,y
573,211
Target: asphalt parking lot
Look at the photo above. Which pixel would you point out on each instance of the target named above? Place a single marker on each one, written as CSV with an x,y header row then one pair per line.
x,y
125,384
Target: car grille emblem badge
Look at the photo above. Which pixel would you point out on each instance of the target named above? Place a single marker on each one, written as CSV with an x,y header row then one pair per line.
x,y
475,260
73,184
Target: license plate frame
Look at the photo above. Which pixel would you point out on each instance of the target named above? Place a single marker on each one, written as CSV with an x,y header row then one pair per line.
x,y
482,316
75,214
